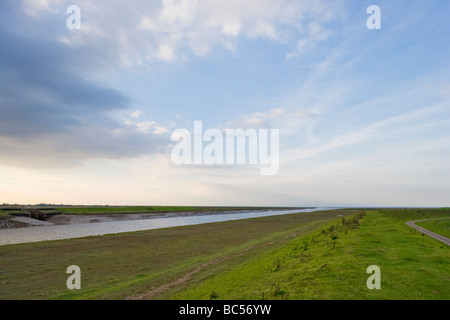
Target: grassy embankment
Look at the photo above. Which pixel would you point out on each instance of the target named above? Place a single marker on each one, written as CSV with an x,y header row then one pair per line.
x,y
332,264
441,227
4,215
120,265
300,256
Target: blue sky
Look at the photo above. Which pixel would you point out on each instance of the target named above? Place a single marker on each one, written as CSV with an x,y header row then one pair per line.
x,y
86,115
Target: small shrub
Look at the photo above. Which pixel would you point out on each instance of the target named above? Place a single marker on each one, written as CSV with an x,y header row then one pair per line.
x,y
305,245
277,291
276,265
213,295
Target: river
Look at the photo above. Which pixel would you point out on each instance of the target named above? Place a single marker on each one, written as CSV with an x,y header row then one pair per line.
x,y
59,232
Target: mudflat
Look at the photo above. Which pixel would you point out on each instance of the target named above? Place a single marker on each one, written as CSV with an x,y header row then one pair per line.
x,y
64,219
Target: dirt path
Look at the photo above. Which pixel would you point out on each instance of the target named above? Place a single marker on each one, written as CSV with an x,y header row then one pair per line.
x,y
428,232
186,277
152,293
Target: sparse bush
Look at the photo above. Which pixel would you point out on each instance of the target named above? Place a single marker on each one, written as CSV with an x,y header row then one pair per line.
x,y
276,265
276,290
305,245
213,295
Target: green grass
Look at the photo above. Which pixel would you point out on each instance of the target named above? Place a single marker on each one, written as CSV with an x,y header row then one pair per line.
x,y
441,227
332,264
116,266
4,215
297,256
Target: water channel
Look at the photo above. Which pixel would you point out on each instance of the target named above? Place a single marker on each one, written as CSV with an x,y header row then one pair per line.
x,y
59,232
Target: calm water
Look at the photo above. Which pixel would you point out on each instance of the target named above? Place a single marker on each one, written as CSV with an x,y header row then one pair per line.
x,y
58,232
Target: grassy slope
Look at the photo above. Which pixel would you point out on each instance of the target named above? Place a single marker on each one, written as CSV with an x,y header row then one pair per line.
x,y
412,266
272,257
441,227
4,215
115,266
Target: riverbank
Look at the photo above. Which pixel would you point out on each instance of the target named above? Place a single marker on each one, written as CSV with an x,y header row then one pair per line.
x,y
332,263
119,265
295,256
68,219
95,214
98,228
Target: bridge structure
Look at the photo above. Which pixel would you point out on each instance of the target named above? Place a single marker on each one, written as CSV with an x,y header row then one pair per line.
x,y
38,213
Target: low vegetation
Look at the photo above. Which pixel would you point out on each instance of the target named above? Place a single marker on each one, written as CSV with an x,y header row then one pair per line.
x,y
4,215
320,255
332,264
121,265
441,227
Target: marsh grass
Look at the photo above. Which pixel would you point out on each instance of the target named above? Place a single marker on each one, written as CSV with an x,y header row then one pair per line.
x,y
319,255
120,265
331,263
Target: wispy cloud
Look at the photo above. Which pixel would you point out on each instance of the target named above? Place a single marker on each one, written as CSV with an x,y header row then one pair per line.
x,y
362,113
150,31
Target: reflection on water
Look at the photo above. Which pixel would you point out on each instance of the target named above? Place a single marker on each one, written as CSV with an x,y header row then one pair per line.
x,y
58,232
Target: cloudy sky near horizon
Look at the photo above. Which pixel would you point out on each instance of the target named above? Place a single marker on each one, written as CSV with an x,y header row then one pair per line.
x,y
86,115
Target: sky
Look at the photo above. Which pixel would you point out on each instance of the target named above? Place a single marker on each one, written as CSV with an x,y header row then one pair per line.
x,y
87,113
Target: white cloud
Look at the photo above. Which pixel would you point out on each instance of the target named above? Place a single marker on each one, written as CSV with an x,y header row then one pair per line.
x,y
35,8
142,32
286,119
317,33
382,130
145,126
139,121
166,52
136,114
160,130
